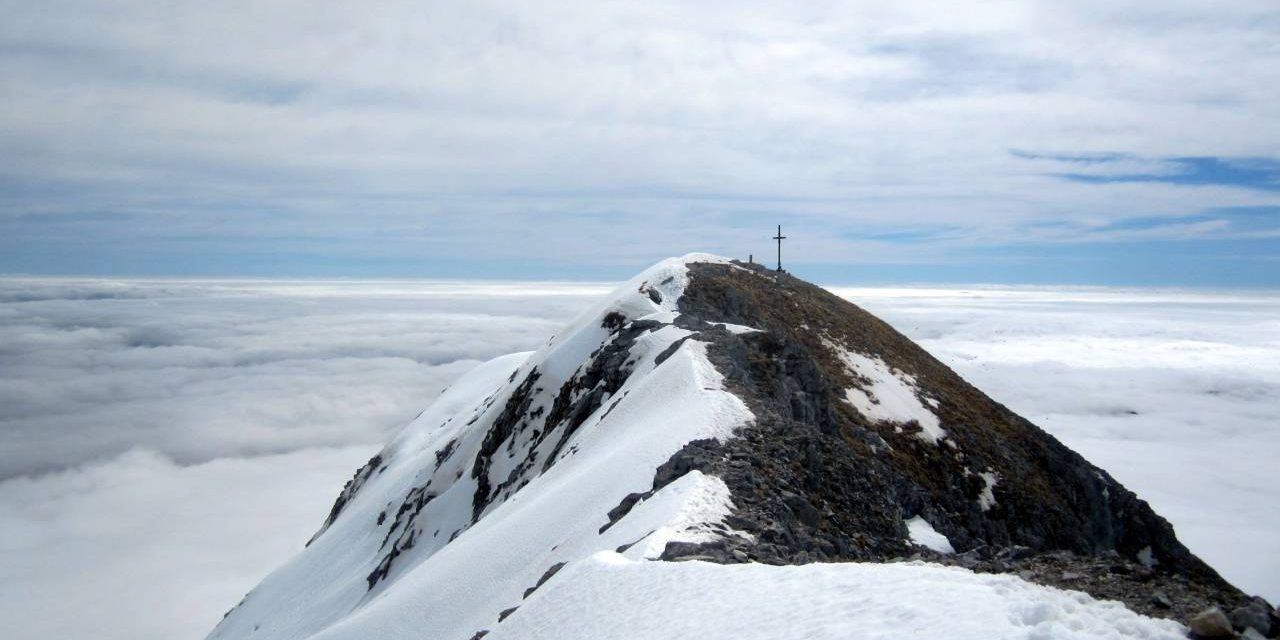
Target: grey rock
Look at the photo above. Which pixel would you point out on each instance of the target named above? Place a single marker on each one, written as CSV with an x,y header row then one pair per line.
x,y
1255,615
547,575
348,492
1161,599
699,558
1014,552
1211,623
1252,634
805,512
968,559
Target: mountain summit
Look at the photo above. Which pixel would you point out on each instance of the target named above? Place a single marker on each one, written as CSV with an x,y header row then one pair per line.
x,y
703,454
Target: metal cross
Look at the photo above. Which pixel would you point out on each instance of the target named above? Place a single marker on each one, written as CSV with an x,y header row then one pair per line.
x,y
779,238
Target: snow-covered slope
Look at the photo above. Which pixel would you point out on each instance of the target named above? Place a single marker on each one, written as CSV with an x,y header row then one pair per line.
x,y
511,472
608,596
714,411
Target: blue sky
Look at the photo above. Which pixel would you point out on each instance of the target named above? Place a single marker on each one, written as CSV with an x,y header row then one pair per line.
x,y
1007,142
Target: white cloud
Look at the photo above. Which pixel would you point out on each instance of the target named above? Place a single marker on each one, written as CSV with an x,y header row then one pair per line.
x,y
198,370
151,393
137,547
193,434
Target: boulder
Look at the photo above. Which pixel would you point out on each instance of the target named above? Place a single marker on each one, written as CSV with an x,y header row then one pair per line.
x,y
1255,615
1211,623
1161,599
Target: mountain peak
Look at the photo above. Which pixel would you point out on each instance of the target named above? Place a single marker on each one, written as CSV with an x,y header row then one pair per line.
x,y
856,422
718,411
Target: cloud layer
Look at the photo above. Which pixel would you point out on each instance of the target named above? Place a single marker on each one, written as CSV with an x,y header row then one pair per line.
x,y
200,370
138,547
166,443
1173,393
185,437
239,137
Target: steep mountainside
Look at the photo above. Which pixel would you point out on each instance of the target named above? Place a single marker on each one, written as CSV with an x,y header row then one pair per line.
x,y
859,434
711,410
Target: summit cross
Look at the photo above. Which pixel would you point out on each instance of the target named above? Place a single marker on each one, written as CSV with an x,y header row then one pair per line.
x,y
779,238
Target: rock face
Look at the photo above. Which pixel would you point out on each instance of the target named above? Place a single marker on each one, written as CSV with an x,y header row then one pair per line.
x,y
713,410
817,478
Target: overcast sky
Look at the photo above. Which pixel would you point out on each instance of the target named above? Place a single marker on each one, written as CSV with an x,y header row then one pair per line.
x,y
1090,141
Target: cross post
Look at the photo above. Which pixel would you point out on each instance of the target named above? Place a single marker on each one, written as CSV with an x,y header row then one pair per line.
x,y
779,238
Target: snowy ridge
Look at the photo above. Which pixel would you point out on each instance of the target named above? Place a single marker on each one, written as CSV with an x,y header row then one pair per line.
x,y
525,502
513,470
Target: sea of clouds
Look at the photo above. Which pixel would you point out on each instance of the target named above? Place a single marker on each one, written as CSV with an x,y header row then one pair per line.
x,y
1174,393
166,443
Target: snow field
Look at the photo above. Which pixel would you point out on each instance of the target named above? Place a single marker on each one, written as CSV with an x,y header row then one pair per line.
x,y
922,533
889,395
609,596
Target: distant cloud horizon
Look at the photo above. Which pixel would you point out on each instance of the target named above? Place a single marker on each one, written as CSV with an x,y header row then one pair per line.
x,y
1010,142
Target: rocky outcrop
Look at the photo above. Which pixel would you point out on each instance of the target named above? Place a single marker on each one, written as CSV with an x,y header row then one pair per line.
x,y
348,490
817,479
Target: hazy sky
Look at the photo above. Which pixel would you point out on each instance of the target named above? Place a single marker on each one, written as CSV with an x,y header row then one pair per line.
x,y
1095,141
